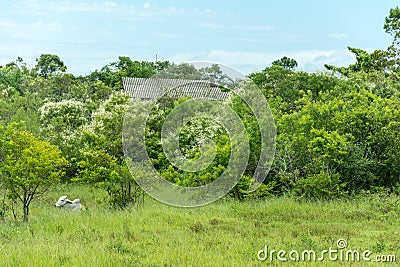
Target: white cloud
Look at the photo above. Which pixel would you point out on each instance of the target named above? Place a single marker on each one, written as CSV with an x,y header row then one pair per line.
x,y
256,27
110,4
337,35
42,26
82,41
36,24
209,25
215,26
310,60
8,24
81,6
29,29
45,8
167,35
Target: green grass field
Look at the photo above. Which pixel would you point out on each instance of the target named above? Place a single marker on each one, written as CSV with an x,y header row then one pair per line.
x,y
225,233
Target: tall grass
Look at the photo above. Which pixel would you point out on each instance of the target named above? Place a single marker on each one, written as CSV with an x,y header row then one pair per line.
x,y
225,233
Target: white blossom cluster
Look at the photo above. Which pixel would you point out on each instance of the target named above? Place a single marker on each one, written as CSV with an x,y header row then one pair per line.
x,y
64,116
5,91
197,132
110,110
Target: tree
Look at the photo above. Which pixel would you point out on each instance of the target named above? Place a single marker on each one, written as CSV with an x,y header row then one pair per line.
x,y
392,27
29,166
181,71
286,63
59,124
125,67
102,161
386,61
365,62
61,119
392,24
13,74
48,65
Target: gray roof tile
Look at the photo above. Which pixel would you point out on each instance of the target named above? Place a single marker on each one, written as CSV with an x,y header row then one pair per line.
x,y
144,88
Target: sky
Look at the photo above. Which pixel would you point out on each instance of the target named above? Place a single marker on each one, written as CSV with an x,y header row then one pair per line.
x,y
245,35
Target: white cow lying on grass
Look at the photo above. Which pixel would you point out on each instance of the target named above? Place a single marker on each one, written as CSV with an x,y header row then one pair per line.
x,y
66,204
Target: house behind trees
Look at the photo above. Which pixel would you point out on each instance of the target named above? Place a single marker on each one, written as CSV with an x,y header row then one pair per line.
x,y
153,88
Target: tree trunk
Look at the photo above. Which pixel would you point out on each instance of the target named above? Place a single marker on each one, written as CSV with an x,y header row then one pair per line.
x,y
237,193
26,212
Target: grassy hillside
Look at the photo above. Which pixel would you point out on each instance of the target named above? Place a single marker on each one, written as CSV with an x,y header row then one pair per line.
x,y
225,233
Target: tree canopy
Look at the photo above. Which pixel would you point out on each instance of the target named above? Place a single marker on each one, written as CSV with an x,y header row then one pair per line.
x,y
48,64
29,166
337,131
286,63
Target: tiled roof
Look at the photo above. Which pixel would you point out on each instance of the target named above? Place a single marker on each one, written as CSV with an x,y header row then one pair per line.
x,y
144,88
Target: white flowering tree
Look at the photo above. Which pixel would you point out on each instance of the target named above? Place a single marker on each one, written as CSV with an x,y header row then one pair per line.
x,y
59,122
62,117
102,161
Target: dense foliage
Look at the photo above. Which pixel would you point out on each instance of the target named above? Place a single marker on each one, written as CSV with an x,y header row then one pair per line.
x,y
337,131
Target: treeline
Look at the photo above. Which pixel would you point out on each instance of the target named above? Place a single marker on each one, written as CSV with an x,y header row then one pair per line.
x,y
337,131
